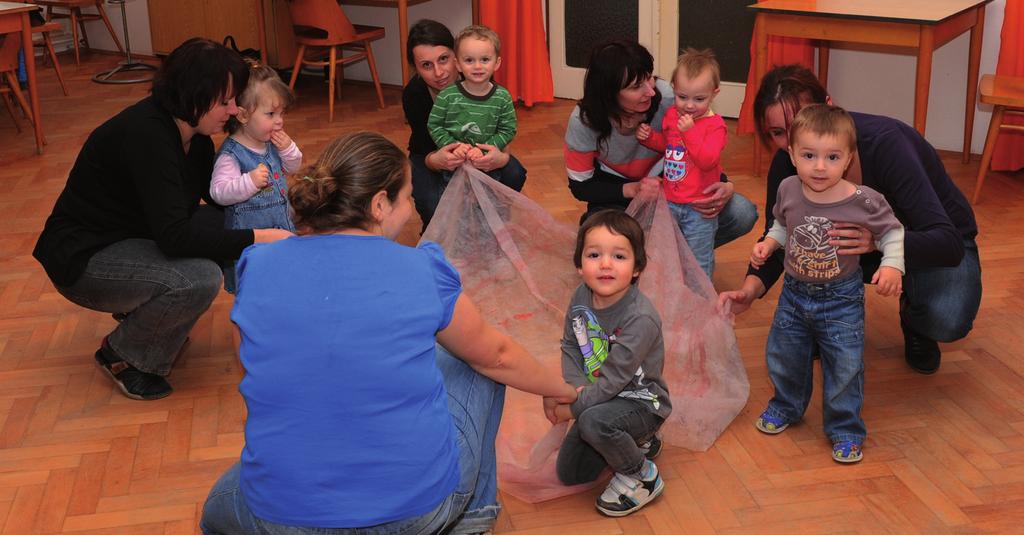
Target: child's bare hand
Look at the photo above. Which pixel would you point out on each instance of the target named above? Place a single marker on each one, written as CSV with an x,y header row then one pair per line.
x,y
280,139
563,413
549,410
461,150
889,281
643,132
762,250
685,123
260,176
474,154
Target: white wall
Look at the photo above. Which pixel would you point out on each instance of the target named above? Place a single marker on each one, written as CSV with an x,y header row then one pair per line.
x,y
456,14
883,83
138,27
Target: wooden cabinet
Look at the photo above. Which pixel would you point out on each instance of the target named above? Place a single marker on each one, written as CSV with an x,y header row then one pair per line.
x,y
171,22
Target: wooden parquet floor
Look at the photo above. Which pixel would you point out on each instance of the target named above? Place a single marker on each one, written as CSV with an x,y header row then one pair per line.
x,y
943,455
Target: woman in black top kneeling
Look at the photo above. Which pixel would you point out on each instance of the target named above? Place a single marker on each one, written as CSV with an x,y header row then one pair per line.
x,y
126,237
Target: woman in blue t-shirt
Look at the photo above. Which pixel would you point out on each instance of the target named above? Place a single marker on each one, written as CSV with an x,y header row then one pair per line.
x,y
942,286
357,418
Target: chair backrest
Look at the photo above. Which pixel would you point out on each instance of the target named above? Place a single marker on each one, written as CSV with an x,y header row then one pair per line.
x,y
324,15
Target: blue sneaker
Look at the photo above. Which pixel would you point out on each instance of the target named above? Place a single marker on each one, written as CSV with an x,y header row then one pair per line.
x,y
772,425
847,451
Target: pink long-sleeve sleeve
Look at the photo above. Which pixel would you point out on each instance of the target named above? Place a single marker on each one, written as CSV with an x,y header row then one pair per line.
x,y
229,185
706,142
291,158
656,141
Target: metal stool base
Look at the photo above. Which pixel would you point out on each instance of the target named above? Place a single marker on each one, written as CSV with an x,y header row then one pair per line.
x,y
128,65
110,77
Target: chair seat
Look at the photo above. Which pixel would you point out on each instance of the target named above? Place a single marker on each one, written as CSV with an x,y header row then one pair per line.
x,y
316,37
1000,90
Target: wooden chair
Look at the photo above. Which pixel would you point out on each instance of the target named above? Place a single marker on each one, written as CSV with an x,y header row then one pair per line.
x,y
78,19
322,28
44,30
1006,94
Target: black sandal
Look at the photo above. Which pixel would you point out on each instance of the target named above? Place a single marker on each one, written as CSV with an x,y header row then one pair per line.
x,y
134,383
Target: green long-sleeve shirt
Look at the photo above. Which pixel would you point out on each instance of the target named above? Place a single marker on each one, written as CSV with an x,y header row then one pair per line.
x,y
458,116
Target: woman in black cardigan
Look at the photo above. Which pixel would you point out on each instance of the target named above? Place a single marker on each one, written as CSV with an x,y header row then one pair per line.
x,y
124,236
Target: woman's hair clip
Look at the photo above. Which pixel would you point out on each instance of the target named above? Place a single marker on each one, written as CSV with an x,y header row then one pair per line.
x,y
309,178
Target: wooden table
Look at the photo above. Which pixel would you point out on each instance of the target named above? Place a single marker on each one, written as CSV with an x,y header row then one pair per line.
x,y
403,23
14,18
923,25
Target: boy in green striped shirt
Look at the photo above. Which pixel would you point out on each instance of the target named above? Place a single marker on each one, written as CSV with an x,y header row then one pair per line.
x,y
474,111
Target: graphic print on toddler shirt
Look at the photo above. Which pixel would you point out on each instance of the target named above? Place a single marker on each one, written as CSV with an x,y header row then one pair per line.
x,y
675,166
812,256
595,345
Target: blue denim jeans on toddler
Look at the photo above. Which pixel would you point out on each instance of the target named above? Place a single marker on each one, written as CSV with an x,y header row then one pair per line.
x,y
475,403
831,314
699,232
268,208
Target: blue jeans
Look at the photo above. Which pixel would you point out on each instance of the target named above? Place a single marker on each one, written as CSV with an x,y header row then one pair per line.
x,y
699,232
941,303
830,314
428,186
475,402
606,435
157,298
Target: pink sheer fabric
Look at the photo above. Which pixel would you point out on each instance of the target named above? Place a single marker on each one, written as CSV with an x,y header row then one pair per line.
x,y
516,264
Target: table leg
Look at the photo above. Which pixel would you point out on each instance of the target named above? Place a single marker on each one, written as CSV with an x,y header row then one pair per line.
x,y
33,86
973,64
925,50
403,36
760,68
823,50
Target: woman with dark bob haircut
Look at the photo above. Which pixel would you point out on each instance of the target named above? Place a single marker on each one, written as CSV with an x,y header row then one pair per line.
x,y
126,237
942,285
430,51
606,164
375,389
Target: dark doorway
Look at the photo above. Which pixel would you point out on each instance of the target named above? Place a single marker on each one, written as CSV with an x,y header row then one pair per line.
x,y
724,26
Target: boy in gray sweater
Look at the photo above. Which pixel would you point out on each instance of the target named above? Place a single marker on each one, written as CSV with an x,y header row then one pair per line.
x,y
613,352
822,300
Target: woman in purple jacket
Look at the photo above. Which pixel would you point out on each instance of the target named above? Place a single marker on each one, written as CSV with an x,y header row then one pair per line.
x,y
942,286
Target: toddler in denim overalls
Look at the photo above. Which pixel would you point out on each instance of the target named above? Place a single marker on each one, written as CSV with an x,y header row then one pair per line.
x,y
249,176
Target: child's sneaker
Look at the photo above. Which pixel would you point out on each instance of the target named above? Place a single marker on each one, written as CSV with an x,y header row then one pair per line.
x,y
846,451
651,448
767,423
626,494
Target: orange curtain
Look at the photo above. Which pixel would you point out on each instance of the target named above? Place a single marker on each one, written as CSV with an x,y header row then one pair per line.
x,y
781,51
1009,151
525,70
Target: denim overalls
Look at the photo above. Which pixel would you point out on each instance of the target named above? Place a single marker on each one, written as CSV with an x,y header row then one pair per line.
x,y
268,208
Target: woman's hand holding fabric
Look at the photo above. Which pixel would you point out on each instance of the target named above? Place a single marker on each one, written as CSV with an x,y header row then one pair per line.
x,y
492,158
444,158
